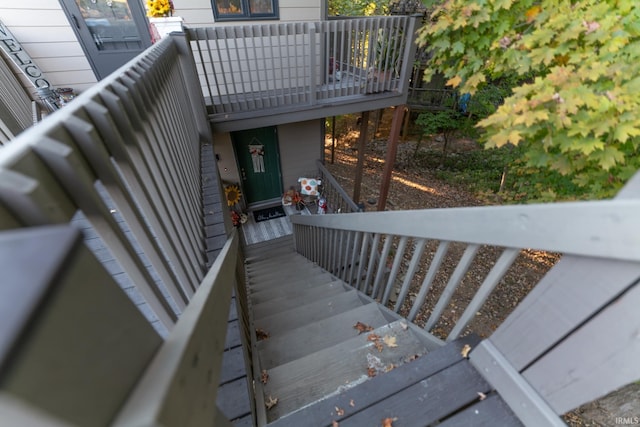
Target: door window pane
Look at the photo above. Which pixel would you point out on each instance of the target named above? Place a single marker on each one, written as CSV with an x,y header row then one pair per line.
x,y
226,10
110,23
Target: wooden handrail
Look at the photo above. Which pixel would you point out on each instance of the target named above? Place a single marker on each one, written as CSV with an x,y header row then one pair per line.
x,y
121,153
337,199
603,229
380,252
180,385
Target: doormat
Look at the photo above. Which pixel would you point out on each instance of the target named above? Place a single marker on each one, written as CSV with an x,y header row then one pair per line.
x,y
268,213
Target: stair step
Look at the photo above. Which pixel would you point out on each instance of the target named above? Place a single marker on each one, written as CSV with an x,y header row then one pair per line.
x,y
280,241
278,323
279,256
259,254
318,375
278,269
292,298
311,338
314,278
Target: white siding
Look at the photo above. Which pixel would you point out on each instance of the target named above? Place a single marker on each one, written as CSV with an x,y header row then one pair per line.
x,y
199,13
44,32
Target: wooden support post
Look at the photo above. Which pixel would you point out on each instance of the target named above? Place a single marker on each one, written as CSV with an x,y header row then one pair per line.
x,y
405,127
392,149
333,139
362,142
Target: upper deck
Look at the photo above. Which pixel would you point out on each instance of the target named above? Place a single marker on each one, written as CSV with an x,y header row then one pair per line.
x,y
271,74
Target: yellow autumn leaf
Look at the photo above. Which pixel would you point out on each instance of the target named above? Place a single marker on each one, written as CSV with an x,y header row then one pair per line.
x,y
514,137
271,402
532,13
390,341
454,82
465,351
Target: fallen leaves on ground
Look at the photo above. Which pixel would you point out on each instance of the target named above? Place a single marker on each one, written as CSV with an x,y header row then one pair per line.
x,y
375,366
388,422
352,403
362,327
404,326
264,376
339,411
390,341
335,424
261,334
482,396
271,402
465,351
376,341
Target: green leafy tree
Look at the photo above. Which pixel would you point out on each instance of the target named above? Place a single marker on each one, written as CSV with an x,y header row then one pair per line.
x,y
358,7
445,122
577,111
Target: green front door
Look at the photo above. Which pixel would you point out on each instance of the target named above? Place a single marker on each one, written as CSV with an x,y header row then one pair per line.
x,y
258,163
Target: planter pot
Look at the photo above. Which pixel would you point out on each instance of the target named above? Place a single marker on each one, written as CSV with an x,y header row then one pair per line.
x,y
166,25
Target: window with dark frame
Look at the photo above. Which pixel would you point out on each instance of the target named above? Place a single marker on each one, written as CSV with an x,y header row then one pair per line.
x,y
235,10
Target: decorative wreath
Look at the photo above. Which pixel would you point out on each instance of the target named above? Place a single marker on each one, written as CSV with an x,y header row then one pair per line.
x,y
232,193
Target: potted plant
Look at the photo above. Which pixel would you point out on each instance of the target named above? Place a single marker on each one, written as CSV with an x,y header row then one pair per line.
x,y
161,18
293,198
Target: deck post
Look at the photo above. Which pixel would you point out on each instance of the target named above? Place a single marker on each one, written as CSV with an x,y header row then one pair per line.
x,y
392,149
362,142
196,96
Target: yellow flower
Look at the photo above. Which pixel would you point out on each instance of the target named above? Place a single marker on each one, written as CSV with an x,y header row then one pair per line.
x,y
158,8
232,192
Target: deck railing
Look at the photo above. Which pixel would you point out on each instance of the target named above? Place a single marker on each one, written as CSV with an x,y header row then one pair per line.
x,y
123,161
338,201
16,108
395,256
253,67
127,151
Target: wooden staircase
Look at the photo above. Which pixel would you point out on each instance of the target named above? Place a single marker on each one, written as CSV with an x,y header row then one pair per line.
x,y
307,344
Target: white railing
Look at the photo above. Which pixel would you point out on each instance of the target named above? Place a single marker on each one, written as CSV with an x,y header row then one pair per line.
x,y
252,67
402,252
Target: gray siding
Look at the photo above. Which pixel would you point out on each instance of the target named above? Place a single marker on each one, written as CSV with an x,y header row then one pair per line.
x,y
300,146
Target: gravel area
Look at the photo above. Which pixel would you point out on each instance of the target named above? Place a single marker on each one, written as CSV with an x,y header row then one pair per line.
x,y
420,189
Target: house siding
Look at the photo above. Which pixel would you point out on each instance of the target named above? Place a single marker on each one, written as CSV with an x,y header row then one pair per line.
x,y
300,146
44,32
199,13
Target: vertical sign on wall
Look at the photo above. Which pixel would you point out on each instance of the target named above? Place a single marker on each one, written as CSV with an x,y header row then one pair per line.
x,y
14,51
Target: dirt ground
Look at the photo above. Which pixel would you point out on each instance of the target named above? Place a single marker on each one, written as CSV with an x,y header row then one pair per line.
x,y
412,188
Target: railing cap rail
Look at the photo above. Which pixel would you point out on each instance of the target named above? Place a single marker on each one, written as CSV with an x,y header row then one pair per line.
x,y
606,229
